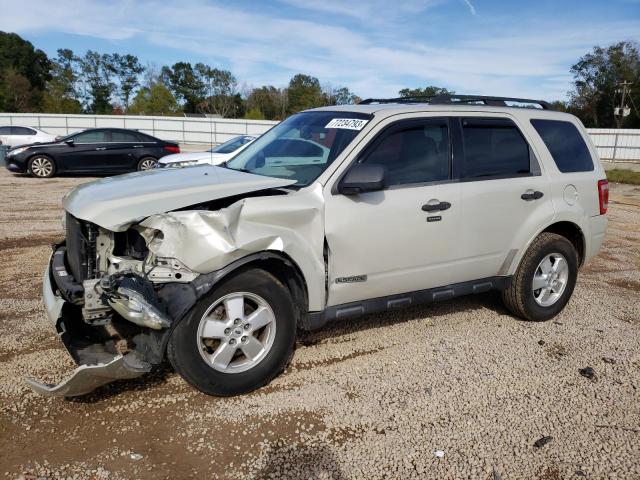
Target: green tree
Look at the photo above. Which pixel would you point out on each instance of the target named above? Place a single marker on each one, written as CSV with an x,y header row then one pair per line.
x,y
185,84
430,91
22,67
254,114
596,85
61,95
127,69
220,86
340,96
268,100
97,74
154,100
304,92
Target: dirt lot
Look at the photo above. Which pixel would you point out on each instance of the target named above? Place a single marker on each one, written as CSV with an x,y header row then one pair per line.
x,y
374,398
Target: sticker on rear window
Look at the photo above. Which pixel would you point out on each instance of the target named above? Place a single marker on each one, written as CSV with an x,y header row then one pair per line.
x,y
348,123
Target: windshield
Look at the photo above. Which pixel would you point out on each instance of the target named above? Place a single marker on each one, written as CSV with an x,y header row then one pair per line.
x,y
301,147
231,145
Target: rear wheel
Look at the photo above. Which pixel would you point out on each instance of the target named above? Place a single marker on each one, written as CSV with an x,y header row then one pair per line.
x,y
545,279
42,166
147,163
238,337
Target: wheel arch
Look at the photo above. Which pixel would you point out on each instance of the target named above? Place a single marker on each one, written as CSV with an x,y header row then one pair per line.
x,y
565,228
181,298
572,232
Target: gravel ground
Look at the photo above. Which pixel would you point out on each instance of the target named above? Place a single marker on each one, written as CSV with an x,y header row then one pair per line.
x,y
451,390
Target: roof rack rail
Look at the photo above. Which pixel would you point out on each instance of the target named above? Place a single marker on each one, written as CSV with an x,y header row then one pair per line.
x,y
450,99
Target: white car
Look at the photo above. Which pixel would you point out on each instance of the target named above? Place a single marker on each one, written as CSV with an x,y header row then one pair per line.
x,y
14,135
335,212
214,156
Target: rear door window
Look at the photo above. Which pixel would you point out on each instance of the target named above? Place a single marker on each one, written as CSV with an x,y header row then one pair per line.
x,y
565,144
5,130
22,131
124,137
493,148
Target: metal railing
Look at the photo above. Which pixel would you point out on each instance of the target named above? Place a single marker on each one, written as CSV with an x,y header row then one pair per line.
x,y
183,130
620,146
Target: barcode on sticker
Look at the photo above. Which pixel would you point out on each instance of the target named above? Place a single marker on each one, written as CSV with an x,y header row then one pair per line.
x,y
348,123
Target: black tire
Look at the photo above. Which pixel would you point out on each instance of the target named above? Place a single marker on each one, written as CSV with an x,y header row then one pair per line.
x,y
183,348
519,296
144,163
41,166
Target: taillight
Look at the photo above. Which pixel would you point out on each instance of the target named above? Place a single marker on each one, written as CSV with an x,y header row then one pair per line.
x,y
603,195
171,149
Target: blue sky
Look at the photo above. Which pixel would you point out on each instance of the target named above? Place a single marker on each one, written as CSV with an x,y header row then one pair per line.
x,y
374,47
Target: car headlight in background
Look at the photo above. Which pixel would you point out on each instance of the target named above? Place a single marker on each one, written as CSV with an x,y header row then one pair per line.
x,y
186,163
16,151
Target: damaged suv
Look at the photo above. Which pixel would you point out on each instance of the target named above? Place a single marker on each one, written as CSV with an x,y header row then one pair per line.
x,y
334,213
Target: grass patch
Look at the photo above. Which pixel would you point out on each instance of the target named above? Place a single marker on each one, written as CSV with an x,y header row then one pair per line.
x,y
623,176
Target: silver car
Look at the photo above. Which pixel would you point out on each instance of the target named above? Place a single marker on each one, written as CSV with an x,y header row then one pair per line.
x,y
334,213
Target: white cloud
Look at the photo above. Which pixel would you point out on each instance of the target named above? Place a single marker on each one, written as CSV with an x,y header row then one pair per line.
x,y
527,59
472,9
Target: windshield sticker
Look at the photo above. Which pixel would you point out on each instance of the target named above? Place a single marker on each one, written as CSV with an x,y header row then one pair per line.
x,y
348,123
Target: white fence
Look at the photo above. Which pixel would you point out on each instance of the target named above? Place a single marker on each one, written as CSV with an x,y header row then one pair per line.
x,y
176,129
621,146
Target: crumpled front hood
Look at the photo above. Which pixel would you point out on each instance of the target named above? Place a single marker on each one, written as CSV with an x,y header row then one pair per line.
x,y
115,203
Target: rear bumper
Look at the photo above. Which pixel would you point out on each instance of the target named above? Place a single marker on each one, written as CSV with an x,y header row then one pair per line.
x,y
98,363
597,231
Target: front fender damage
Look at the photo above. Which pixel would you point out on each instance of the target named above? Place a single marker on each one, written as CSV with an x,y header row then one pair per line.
x,y
211,244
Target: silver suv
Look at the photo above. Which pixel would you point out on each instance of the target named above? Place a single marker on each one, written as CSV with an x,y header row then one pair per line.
x,y
334,213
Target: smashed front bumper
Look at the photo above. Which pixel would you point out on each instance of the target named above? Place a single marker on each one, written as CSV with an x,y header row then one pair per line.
x,y
99,363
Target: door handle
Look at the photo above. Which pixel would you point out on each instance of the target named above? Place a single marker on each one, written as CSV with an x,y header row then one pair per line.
x,y
434,207
531,195
138,146
101,148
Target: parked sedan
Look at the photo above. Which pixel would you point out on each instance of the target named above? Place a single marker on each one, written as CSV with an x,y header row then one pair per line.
x,y
14,135
96,150
214,156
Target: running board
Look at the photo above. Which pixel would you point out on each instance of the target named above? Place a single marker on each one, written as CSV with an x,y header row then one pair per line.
x,y
317,320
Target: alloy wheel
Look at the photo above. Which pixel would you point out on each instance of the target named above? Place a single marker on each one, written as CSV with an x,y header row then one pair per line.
x,y
41,167
148,164
550,279
236,332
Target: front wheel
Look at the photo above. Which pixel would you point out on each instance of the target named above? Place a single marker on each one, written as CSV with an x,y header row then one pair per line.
x,y
147,163
238,337
41,166
545,279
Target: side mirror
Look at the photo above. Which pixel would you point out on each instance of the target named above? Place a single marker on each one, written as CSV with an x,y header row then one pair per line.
x,y
363,177
69,142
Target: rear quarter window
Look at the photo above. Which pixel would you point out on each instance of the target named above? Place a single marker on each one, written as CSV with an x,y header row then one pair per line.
x,y
565,144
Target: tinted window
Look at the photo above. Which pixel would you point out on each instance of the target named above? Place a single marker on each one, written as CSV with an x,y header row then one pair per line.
x,y
493,148
92,136
416,154
5,130
565,145
22,131
120,136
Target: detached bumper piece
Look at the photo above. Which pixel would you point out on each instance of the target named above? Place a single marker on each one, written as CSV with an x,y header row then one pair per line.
x,y
87,378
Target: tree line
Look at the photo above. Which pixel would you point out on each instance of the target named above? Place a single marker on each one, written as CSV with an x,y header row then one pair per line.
x,y
108,83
